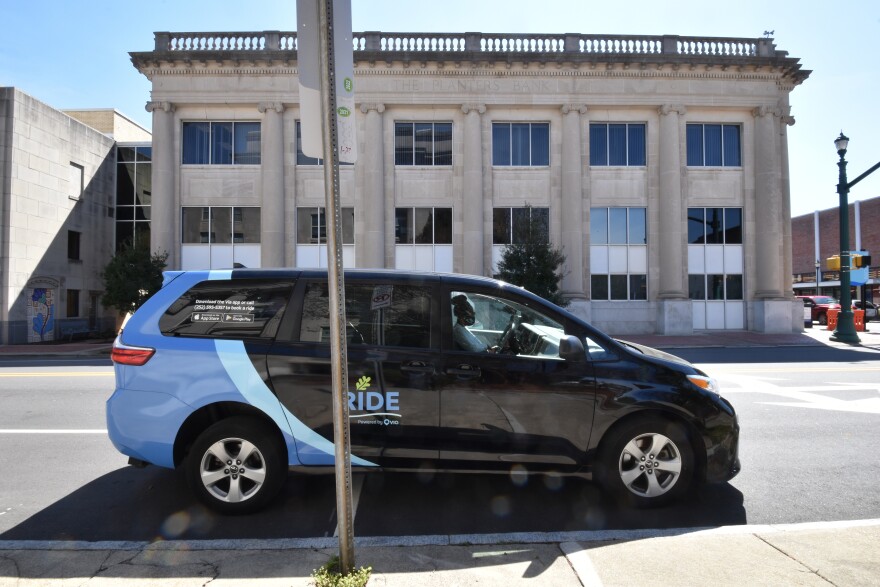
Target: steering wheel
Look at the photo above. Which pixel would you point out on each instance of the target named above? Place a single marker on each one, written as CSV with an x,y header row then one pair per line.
x,y
504,343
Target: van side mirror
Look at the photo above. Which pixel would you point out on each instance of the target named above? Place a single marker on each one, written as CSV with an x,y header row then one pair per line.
x,y
571,348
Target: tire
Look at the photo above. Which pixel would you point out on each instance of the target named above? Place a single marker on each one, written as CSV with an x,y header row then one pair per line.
x,y
629,471
228,483
823,319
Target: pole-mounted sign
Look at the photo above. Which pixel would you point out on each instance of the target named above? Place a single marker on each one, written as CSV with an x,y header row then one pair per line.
x,y
326,69
308,66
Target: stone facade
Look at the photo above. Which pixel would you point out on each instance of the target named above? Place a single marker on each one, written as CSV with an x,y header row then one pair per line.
x,y
57,185
668,85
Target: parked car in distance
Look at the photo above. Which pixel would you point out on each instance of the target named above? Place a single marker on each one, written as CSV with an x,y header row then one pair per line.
x,y
227,374
869,307
819,306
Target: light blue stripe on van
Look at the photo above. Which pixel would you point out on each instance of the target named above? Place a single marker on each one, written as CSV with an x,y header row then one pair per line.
x,y
238,366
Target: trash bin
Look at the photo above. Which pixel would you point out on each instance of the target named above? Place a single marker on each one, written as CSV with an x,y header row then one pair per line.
x,y
831,316
859,319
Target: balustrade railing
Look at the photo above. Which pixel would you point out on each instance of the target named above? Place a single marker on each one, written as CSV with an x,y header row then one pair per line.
x,y
374,41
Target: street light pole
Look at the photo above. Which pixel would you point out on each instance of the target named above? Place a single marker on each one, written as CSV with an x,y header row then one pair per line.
x,y
846,327
818,278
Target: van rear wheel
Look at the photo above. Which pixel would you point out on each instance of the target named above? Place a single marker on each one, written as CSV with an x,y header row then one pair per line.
x,y
235,467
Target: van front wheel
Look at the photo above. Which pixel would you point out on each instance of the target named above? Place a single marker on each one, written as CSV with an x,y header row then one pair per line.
x,y
648,462
235,467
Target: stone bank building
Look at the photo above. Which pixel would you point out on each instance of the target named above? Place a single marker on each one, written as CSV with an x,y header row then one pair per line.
x,y
659,165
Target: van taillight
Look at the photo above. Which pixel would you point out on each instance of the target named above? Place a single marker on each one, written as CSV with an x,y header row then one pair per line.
x,y
130,355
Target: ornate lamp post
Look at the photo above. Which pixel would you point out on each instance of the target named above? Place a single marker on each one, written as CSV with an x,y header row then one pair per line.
x,y
846,327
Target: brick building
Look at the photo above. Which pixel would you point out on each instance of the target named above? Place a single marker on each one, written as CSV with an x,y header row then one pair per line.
x,y
816,237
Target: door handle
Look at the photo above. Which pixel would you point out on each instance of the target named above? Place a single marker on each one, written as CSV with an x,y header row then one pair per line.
x,y
465,369
417,367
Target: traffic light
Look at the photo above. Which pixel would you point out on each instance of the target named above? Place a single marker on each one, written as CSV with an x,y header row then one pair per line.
x,y
833,263
860,261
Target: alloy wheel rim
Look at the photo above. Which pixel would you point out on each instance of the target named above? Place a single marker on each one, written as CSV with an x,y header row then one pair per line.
x,y
650,465
232,470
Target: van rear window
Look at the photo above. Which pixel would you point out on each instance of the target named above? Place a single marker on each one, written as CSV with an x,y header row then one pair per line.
x,y
238,308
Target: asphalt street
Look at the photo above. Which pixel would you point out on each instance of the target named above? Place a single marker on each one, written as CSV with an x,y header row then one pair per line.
x,y
806,438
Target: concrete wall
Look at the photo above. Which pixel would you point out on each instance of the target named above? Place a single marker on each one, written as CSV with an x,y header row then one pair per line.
x,y
44,202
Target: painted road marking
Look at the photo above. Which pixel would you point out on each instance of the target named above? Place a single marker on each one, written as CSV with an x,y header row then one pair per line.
x,y
806,396
60,374
38,431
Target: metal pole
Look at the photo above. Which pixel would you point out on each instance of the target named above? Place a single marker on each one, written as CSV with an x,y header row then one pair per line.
x,y
336,282
846,328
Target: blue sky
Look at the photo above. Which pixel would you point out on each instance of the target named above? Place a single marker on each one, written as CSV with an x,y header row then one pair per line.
x,y
74,54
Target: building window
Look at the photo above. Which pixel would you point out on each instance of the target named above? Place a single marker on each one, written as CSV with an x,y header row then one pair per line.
x,y
221,143
714,226
618,254
72,303
311,226
134,170
521,144
716,262
423,143
713,145
220,225
76,181
73,244
423,226
617,144
510,226
423,239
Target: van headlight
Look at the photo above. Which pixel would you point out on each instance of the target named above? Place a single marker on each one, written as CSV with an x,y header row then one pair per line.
x,y
705,383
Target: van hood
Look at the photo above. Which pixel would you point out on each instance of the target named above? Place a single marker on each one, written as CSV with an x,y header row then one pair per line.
x,y
654,353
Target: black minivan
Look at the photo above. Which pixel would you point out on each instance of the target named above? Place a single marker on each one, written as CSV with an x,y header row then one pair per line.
x,y
227,373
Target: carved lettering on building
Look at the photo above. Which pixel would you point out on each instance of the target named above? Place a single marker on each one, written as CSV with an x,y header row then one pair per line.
x,y
474,86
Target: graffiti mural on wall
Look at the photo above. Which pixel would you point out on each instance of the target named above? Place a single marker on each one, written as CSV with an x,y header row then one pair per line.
x,y
41,315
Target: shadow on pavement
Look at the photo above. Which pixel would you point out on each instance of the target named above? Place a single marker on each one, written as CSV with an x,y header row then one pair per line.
x,y
155,504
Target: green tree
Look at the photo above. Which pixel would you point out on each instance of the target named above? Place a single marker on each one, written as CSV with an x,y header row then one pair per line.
x,y
132,276
532,262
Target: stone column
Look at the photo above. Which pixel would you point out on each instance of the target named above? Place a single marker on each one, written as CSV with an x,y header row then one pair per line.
x,y
771,311
768,206
165,206
676,316
373,207
473,247
272,229
573,228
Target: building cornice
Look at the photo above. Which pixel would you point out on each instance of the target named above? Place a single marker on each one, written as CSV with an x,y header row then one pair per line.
x,y
273,52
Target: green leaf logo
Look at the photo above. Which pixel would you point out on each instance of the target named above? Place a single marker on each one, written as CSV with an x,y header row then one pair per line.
x,y
343,111
363,383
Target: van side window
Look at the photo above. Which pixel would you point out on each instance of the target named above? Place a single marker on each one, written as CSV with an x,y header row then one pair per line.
x,y
237,308
382,315
485,323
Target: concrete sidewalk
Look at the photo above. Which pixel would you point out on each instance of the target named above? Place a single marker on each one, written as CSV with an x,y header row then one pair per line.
x,y
842,554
